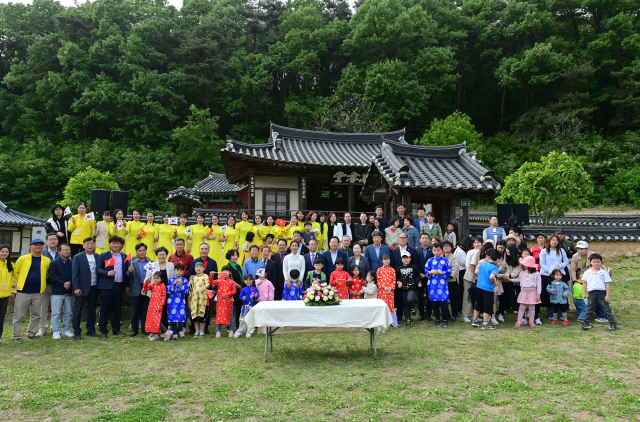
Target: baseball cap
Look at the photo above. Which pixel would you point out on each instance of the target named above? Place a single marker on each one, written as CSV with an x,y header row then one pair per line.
x,y
582,245
35,241
406,253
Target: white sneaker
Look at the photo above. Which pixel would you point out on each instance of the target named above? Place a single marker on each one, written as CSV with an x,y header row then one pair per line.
x,y
42,332
167,335
465,319
68,334
249,334
524,321
494,321
56,335
175,337
181,334
515,312
538,322
197,334
500,318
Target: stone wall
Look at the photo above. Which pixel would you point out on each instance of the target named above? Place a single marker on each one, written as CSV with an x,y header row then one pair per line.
x,y
614,250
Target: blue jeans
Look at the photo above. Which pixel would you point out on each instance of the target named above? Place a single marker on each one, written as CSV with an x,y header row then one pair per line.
x,y
64,302
581,309
176,327
232,323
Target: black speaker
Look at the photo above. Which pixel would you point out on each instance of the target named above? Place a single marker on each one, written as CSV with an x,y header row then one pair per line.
x,y
504,212
99,201
120,200
522,213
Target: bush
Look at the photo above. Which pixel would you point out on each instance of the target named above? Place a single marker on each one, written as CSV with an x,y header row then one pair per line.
x,y
79,187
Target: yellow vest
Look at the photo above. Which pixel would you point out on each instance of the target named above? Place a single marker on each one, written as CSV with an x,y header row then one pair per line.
x,y
6,280
21,269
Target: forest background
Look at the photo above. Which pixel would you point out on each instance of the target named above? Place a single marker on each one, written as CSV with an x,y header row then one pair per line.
x,y
148,92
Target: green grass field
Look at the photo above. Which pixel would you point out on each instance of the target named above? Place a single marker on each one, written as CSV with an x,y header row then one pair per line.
x,y
459,374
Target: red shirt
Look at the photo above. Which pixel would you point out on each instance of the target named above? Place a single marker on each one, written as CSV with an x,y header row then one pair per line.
x,y
184,259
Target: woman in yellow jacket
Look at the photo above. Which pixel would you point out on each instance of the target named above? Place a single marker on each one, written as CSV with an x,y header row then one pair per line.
x,y
180,232
300,216
6,282
229,238
198,231
257,239
317,227
266,228
148,234
242,228
165,230
213,238
131,232
80,229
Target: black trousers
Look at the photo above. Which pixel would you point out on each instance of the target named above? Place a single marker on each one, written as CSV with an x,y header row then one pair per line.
x,y
408,301
508,301
111,299
440,309
139,307
460,289
4,303
76,249
424,304
597,297
91,300
453,298
397,299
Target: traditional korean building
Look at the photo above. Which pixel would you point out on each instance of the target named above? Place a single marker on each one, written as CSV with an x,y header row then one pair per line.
x,y
300,169
17,230
213,195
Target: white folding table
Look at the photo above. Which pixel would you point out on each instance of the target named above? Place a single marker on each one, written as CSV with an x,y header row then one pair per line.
x,y
294,317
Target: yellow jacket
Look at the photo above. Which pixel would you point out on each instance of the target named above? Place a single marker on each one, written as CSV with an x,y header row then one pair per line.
x,y
6,280
21,269
80,230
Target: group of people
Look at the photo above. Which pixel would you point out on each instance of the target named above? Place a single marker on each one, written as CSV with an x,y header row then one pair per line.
x,y
411,264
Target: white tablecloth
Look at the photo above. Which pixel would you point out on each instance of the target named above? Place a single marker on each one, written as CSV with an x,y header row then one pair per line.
x,y
295,317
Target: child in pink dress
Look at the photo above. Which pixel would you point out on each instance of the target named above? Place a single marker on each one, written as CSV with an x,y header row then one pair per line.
x,y
530,288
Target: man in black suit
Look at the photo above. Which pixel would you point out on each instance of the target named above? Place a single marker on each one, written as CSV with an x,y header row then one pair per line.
x,y
278,280
210,265
310,258
346,246
269,265
112,283
84,282
424,253
396,262
330,256
303,250
348,227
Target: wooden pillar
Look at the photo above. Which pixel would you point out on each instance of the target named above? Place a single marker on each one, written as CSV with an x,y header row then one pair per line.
x,y
452,213
406,199
464,222
385,205
352,198
440,212
445,214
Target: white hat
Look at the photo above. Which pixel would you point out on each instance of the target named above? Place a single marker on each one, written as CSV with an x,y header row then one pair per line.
x,y
406,253
582,245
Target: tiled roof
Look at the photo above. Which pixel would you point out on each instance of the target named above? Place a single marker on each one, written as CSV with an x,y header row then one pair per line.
x,y
15,218
601,220
316,148
217,184
414,166
208,212
185,193
574,233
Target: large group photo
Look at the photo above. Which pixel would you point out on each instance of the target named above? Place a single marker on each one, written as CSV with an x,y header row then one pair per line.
x,y
346,210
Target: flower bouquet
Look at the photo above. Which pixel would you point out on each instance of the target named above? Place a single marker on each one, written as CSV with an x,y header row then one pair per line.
x,y
321,294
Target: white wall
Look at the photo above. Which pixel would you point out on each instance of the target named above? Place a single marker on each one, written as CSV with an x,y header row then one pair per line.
x,y
294,200
258,199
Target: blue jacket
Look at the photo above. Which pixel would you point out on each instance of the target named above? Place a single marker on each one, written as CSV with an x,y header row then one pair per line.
x,y
561,289
488,233
250,267
105,281
413,237
81,273
375,261
422,259
59,273
329,266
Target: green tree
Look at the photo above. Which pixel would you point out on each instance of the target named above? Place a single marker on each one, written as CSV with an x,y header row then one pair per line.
x,y
79,187
455,129
551,187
